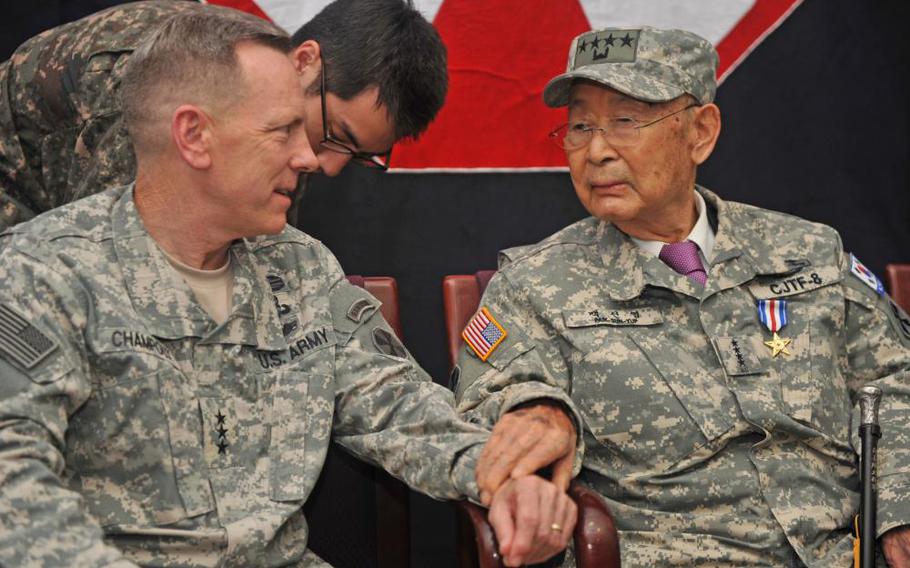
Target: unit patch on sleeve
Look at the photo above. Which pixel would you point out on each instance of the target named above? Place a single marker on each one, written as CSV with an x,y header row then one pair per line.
x,y
386,342
357,309
20,341
483,334
866,276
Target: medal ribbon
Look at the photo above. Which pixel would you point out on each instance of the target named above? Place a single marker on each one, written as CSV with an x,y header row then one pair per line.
x,y
773,314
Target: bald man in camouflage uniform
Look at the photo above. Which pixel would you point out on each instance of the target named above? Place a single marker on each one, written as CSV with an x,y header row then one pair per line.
x,y
171,378
715,396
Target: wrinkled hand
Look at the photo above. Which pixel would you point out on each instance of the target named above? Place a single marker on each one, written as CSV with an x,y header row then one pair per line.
x,y
522,442
532,518
896,547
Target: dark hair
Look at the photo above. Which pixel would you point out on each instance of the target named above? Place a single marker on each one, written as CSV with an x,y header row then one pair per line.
x,y
386,43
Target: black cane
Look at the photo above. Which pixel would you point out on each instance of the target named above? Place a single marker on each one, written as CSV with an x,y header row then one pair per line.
x,y
869,433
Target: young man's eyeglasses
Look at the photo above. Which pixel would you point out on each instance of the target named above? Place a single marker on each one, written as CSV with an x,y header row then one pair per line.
x,y
329,142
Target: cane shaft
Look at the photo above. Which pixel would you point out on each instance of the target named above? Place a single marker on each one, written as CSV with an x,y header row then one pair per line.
x,y
869,435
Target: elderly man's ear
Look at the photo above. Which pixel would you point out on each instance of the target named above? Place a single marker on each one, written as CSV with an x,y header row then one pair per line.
x,y
705,130
192,136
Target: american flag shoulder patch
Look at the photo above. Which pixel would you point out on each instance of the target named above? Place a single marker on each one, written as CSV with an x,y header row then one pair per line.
x,y
21,342
483,334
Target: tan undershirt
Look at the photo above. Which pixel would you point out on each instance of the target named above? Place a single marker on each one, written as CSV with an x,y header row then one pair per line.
x,y
213,288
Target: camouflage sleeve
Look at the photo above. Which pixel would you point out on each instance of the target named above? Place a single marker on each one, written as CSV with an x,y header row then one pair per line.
x,y
525,366
388,410
15,178
878,353
42,522
61,136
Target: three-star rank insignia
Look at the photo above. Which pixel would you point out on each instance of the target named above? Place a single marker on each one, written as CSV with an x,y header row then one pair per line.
x,y
773,314
222,431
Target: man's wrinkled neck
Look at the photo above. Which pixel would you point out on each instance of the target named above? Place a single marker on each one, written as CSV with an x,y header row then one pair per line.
x,y
670,225
172,218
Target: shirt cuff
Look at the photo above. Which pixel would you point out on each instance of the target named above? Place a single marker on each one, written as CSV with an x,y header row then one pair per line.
x,y
523,393
893,502
464,473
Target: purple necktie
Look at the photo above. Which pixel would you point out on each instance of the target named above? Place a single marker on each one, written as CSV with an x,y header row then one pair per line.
x,y
683,258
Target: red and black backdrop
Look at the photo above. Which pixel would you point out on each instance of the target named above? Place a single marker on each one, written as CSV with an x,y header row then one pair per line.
x,y
814,101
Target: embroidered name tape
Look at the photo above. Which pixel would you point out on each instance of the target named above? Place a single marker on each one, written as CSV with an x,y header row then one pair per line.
x,y
483,334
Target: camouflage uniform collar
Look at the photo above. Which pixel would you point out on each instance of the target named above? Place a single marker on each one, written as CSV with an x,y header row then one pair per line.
x,y
736,238
253,320
623,261
737,256
165,301
631,269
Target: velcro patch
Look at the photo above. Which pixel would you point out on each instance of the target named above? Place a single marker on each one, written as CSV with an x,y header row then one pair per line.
x,y
607,316
358,309
739,355
613,46
20,341
483,334
866,276
386,342
782,286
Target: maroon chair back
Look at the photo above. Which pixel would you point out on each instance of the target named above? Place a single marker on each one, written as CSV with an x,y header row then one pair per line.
x,y
385,289
898,280
460,298
596,540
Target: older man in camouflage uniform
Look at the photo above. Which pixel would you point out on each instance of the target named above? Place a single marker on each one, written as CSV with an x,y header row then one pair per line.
x,y
170,380
711,349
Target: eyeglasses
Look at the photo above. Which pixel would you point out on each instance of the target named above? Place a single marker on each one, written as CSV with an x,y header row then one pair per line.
x,y
329,142
623,131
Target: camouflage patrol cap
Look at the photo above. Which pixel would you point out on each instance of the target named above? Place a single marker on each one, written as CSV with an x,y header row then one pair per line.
x,y
648,64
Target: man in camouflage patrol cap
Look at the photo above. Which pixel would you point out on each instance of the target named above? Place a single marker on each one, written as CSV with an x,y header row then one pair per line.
x,y
712,349
171,377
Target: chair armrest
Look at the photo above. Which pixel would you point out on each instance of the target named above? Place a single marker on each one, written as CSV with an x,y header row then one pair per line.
x,y
487,549
596,541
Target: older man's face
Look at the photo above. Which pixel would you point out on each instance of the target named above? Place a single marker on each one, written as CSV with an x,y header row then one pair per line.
x,y
638,187
259,147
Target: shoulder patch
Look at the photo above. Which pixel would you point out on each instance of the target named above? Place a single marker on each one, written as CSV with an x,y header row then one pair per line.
x,y
358,308
20,341
483,334
386,342
866,276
